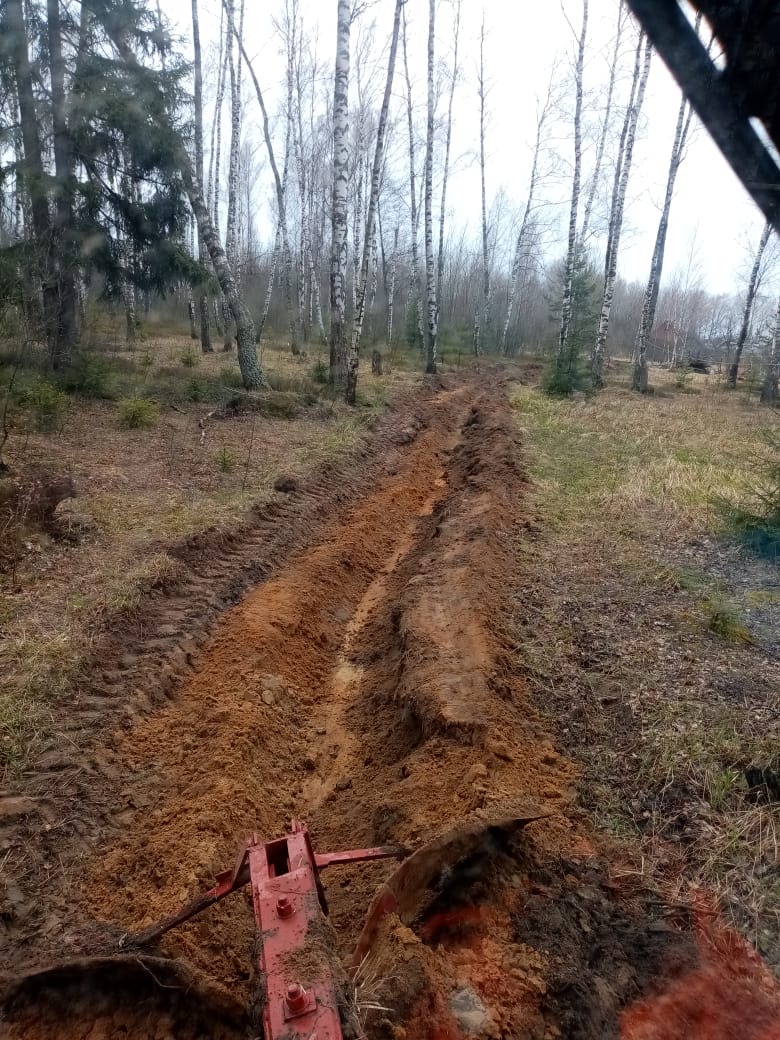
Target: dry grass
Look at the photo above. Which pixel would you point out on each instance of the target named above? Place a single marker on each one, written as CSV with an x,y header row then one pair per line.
x,y
644,649
145,488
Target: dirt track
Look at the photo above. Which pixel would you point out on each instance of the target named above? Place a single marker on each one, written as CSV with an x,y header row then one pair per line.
x,y
367,686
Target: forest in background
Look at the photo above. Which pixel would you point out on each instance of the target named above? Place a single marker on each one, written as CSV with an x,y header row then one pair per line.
x,y
132,165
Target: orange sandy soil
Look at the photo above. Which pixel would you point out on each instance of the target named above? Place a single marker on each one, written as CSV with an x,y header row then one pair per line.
x,y
367,683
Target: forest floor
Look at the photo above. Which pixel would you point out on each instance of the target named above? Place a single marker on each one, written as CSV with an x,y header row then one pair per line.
x,y
472,604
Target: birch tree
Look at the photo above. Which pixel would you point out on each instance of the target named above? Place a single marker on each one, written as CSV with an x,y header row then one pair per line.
x,y
413,295
281,204
339,200
525,223
571,253
249,364
620,187
747,311
606,124
430,271
353,359
769,393
203,301
447,143
639,379
480,320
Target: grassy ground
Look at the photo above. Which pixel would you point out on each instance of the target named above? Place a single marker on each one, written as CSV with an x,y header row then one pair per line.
x,y
652,637
192,462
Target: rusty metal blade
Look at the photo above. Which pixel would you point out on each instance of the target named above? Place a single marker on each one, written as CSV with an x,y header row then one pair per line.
x,y
414,885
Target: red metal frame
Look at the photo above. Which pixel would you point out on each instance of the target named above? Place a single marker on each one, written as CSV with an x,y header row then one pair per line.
x,y
287,898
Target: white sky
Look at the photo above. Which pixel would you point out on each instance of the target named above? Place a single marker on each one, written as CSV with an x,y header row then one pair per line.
x,y
523,40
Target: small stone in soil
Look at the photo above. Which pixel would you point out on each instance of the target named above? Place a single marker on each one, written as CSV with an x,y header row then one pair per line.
x,y
468,1011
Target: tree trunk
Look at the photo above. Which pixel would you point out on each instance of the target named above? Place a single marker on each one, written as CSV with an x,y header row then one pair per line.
x,y
391,289
618,205
571,253
67,322
524,224
639,379
203,302
231,238
430,271
33,173
769,394
338,248
731,380
281,206
485,259
447,143
413,295
353,359
605,126
270,284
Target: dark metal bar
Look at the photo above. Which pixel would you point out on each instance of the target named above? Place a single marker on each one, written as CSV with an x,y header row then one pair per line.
x,y
713,101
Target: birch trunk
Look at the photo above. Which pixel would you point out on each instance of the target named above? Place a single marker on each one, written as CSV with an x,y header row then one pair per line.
x,y
203,302
217,147
447,143
67,322
391,289
571,254
338,212
731,380
525,222
233,30
616,215
413,294
639,379
769,393
251,370
485,259
281,205
430,271
270,286
353,359
32,172
605,126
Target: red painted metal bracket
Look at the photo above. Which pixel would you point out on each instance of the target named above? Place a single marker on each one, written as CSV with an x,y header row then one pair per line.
x,y
288,899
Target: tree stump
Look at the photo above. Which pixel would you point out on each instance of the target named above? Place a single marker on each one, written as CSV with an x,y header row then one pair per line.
x,y
376,363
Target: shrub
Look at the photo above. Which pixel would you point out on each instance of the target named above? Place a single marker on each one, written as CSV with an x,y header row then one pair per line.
x,y
89,376
226,461
758,523
189,358
48,405
320,372
138,413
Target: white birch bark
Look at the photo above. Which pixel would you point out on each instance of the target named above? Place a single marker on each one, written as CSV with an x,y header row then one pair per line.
x,y
525,223
234,67
391,289
339,200
571,254
639,380
447,145
481,90
731,380
616,216
413,295
605,127
430,270
216,151
369,238
270,285
203,303
769,389
280,202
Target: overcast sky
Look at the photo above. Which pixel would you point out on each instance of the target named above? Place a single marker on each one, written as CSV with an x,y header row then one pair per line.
x,y
524,39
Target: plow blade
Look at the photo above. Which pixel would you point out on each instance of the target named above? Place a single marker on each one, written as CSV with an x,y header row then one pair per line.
x,y
411,888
